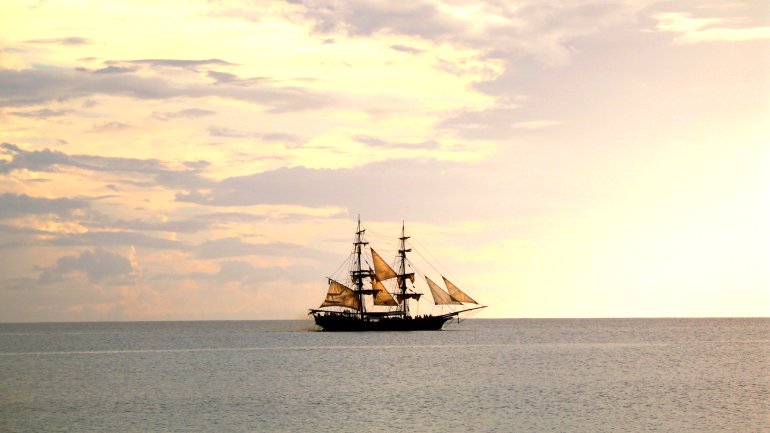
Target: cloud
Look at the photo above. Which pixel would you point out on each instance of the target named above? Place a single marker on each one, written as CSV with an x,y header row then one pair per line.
x,y
437,189
178,63
247,275
42,113
234,247
187,113
32,86
393,189
490,124
116,238
368,17
72,41
189,225
197,165
314,187
240,271
219,131
233,79
38,160
13,205
97,229
694,30
52,160
406,49
250,275
535,124
110,126
223,77
503,122
98,265
114,70
378,142
533,28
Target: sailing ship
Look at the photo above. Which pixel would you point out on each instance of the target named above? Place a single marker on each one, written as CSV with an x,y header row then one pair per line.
x,y
370,295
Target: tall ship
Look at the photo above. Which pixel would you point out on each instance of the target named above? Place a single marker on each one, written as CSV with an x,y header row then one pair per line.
x,y
367,293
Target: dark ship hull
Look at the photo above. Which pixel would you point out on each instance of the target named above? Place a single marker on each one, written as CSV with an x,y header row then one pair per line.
x,y
342,322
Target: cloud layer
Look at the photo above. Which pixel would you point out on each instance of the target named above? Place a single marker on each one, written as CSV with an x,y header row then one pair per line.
x,y
564,156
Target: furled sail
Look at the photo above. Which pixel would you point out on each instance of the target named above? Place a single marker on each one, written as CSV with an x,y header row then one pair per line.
x,y
440,297
456,293
382,297
408,296
410,277
381,269
340,295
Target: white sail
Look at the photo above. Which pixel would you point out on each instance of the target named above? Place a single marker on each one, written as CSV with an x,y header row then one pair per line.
x,y
456,293
440,297
381,269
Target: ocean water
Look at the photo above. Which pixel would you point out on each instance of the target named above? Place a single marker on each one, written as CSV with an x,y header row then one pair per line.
x,y
583,375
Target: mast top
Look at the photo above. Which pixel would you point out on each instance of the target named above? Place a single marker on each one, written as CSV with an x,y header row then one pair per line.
x,y
403,236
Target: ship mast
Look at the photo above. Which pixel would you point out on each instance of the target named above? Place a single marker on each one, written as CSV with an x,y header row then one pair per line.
x,y
357,275
402,275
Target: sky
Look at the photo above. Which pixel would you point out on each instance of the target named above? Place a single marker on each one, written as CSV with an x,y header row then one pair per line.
x,y
193,160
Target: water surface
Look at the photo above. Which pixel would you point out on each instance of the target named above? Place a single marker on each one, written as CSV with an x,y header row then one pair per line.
x,y
583,375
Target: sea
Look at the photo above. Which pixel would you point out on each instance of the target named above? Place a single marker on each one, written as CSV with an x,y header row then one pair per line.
x,y
480,375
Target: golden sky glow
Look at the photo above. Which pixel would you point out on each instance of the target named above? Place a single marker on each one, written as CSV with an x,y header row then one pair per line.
x,y
207,160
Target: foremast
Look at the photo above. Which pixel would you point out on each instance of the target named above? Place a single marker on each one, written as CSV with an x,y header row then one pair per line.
x,y
357,274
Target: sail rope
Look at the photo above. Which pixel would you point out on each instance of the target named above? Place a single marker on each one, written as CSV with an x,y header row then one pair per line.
x,y
431,260
339,268
388,246
419,248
